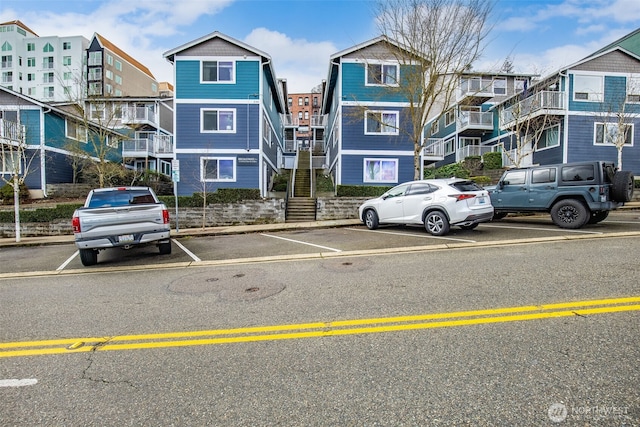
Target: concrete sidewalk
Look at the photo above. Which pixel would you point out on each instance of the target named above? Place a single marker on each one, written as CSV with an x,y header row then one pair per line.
x,y
184,232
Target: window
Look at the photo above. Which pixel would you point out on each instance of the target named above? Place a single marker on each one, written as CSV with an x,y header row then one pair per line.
x,y
7,77
31,91
118,79
299,101
610,133
449,146
435,127
97,111
66,45
380,170
500,87
47,62
76,131
95,58
47,92
31,62
94,73
633,89
449,117
588,88
578,173
519,85
31,47
315,101
421,188
154,87
306,101
219,121
118,65
7,61
217,71
381,122
514,177
109,59
67,75
10,162
108,74
66,60
541,176
47,48
306,115
290,101
217,169
299,115
549,138
47,78
382,74
95,88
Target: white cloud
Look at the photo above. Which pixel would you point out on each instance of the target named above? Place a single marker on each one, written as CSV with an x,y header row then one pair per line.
x,y
302,63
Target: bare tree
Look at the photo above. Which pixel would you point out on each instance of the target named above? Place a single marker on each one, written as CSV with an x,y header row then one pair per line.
x,y
15,161
528,117
435,42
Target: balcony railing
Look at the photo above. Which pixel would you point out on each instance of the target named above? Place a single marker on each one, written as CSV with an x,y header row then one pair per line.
x,y
11,131
319,121
289,120
143,147
433,149
475,120
471,150
544,102
476,87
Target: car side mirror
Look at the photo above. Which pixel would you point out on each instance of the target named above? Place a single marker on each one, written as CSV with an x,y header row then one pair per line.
x,y
501,184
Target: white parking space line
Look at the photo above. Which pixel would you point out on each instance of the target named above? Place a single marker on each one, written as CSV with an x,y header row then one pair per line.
x,y
426,236
558,230
622,222
187,251
302,243
64,264
18,383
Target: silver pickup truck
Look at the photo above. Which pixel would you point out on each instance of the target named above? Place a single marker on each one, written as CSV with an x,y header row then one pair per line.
x,y
120,217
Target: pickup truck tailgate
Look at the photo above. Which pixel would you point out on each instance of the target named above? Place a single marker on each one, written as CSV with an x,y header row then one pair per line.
x,y
99,222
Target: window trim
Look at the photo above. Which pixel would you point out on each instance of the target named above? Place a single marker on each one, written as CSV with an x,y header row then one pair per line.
x,y
218,81
382,65
544,133
396,126
449,117
633,89
591,96
78,127
15,156
218,110
203,177
365,177
610,144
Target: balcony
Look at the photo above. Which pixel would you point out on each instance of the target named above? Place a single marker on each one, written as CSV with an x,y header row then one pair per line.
x,y
11,132
319,121
536,105
474,123
158,146
475,91
139,115
289,120
472,150
433,149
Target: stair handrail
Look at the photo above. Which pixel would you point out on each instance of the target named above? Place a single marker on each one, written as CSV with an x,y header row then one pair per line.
x,y
295,169
312,192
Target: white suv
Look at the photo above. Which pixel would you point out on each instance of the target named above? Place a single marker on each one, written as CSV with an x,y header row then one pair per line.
x,y
436,203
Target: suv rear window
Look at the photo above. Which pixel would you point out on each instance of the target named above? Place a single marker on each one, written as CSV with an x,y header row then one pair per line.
x,y
578,173
466,186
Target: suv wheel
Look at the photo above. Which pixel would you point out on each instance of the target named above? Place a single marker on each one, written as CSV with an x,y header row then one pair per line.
x,y
436,223
622,188
371,219
570,213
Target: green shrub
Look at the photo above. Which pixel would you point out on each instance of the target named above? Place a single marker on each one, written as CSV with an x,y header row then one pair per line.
x,y
222,195
492,160
447,171
324,182
361,190
280,181
6,193
61,211
481,180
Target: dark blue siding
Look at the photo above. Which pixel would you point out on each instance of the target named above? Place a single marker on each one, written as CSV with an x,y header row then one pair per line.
x,y
353,137
246,176
188,84
353,169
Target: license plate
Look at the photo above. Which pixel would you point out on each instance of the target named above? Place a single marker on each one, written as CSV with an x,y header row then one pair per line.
x,y
125,238
482,200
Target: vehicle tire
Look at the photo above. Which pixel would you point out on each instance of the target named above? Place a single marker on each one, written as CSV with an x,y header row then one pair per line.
x,y
622,188
570,213
598,216
165,248
88,257
498,216
371,219
436,223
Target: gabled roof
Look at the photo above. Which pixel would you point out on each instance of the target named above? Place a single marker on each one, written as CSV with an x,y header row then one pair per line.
x,y
630,43
115,49
169,55
359,46
21,25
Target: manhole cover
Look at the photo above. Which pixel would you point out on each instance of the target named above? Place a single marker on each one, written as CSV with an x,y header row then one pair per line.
x,y
351,265
228,285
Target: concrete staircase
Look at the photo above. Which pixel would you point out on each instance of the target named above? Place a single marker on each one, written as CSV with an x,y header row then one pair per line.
x,y
302,207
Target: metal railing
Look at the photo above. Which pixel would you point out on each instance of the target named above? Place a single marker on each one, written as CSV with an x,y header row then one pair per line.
x,y
319,120
475,119
472,150
160,144
434,149
138,114
531,106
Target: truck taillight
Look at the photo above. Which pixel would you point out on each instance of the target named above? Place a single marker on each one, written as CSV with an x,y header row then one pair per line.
x,y
165,216
75,223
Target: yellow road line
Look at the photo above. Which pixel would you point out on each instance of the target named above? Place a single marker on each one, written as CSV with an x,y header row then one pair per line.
x,y
319,329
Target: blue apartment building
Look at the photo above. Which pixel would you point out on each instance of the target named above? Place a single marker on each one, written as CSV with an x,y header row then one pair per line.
x,y
228,113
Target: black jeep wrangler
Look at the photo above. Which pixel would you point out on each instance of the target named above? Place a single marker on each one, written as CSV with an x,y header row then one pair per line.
x,y
574,194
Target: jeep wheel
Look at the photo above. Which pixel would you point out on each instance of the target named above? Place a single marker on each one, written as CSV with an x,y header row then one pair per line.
x,y
570,213
88,257
598,216
622,188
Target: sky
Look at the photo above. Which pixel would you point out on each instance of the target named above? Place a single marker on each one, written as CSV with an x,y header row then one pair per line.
x,y
538,36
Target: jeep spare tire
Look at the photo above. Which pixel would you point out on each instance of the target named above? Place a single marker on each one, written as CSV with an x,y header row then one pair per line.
x,y
622,188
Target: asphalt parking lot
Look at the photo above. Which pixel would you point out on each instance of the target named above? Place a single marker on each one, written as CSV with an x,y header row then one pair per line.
x,y
196,248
